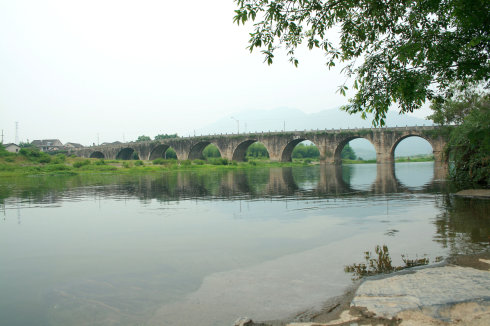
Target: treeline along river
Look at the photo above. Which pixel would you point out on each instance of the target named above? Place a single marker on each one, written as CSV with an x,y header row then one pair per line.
x,y
205,247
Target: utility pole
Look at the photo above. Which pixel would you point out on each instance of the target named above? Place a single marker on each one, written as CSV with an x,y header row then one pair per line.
x,y
284,126
98,143
16,132
2,137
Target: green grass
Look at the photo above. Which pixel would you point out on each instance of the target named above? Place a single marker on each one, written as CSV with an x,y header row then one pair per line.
x,y
22,165
34,164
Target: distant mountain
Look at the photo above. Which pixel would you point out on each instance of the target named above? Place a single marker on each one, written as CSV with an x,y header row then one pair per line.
x,y
294,119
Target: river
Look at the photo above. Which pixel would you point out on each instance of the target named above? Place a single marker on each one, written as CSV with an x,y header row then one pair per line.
x,y
205,247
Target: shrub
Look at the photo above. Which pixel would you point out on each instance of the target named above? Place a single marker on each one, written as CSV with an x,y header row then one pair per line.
x,y
45,158
198,162
139,163
158,161
218,161
126,164
381,263
30,152
186,163
4,152
469,145
59,158
34,155
79,164
6,167
57,167
100,162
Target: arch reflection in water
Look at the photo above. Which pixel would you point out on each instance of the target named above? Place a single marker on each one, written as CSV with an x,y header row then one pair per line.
x,y
299,181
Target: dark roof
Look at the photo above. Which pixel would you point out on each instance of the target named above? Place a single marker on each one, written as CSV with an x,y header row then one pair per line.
x,y
76,145
47,142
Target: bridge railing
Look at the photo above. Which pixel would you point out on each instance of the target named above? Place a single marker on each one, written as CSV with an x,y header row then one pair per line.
x,y
281,132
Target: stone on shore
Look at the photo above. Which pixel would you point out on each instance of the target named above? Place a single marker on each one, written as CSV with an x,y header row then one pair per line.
x,y
436,296
474,193
431,287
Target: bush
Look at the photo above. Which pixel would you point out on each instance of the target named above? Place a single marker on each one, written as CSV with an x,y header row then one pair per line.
x,y
79,164
45,159
218,161
469,145
56,167
158,161
211,151
6,167
126,164
59,158
30,152
186,163
34,155
198,162
100,162
4,152
139,163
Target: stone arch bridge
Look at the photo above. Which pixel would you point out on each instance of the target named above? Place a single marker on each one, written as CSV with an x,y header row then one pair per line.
x,y
280,145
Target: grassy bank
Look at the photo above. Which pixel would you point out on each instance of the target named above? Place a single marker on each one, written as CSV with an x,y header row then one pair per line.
x,y
15,165
32,162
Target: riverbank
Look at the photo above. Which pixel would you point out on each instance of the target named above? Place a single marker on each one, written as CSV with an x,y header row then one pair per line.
x,y
74,166
44,164
456,292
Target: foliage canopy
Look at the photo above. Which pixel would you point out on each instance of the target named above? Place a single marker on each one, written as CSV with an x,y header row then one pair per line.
x,y
400,52
143,138
165,136
469,143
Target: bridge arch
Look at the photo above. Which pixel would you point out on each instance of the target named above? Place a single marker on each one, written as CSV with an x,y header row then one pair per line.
x,y
240,151
125,153
340,146
195,152
97,154
287,152
160,151
400,139
286,155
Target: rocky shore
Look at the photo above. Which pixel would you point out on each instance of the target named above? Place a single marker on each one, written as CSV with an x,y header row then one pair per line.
x,y
456,292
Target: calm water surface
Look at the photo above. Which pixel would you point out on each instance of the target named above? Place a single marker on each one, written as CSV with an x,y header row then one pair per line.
x,y
205,247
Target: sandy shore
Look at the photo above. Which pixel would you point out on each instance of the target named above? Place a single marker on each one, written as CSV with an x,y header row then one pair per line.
x,y
456,292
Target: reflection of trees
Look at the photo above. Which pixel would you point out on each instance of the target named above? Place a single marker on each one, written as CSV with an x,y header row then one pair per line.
x,y
464,224
300,181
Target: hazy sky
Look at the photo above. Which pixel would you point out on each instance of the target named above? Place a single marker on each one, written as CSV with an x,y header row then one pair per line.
x,y
75,69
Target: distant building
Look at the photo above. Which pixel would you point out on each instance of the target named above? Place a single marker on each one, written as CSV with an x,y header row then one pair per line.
x,y
73,145
47,145
114,143
11,147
